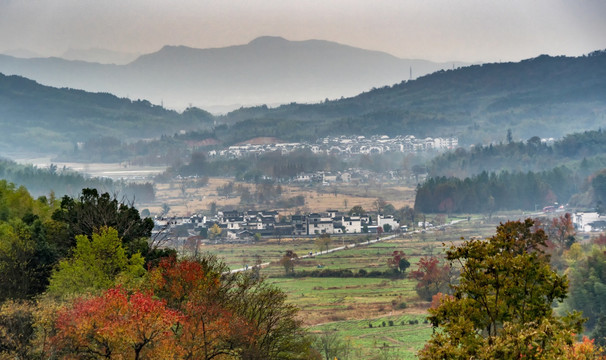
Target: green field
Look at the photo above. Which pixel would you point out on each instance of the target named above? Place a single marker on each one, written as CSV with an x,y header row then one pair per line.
x,y
348,305
397,339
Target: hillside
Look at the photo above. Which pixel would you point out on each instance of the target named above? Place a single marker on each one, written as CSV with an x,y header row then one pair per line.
x,y
268,70
36,118
544,96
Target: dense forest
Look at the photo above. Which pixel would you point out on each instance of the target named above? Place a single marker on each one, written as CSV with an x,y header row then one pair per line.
x,y
518,175
487,193
585,152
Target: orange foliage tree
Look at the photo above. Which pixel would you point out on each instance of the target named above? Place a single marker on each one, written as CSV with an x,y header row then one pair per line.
x,y
209,326
119,325
187,309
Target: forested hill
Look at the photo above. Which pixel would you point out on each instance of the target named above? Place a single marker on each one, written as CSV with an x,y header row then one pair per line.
x,y
38,118
585,152
544,96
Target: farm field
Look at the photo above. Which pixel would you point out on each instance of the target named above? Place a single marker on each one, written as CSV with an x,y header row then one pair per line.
x,y
390,337
184,198
348,306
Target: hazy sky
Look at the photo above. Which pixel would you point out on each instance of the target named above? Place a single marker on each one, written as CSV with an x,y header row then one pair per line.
x,y
439,30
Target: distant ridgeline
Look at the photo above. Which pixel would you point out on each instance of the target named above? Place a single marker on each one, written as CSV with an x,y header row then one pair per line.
x,y
499,177
545,96
46,119
41,182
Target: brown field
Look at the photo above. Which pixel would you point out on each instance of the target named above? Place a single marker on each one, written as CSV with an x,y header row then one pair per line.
x,y
184,200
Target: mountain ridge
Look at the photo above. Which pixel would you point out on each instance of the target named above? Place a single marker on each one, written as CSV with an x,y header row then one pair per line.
x,y
539,96
267,70
544,96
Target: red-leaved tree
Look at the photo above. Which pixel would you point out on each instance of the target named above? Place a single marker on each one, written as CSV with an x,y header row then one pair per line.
x,y
117,325
209,326
432,277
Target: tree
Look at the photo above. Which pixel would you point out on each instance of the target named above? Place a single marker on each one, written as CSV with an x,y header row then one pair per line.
x,y
214,232
598,183
92,211
379,231
323,241
398,261
117,325
228,314
561,232
16,329
409,215
30,242
502,306
357,210
599,331
588,285
95,264
331,345
387,228
17,252
432,277
209,326
165,209
288,262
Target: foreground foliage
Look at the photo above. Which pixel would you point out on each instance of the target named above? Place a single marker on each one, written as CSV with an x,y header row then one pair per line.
x,y
502,306
186,309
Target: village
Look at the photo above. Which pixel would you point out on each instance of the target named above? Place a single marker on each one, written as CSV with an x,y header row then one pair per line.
x,y
244,227
345,145
233,226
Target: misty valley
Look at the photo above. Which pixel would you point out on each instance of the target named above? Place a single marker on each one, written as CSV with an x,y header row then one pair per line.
x,y
327,206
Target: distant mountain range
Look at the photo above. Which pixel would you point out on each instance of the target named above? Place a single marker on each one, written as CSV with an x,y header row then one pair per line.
x,y
101,56
544,96
268,70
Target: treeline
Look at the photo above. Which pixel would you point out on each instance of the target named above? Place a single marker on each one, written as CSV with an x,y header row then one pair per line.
x,y
255,168
62,181
585,152
492,192
263,193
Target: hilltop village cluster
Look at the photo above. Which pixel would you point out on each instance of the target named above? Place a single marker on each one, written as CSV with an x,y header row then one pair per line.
x,y
346,145
236,226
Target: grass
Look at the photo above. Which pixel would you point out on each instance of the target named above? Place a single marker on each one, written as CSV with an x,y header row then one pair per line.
x,y
401,340
349,305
